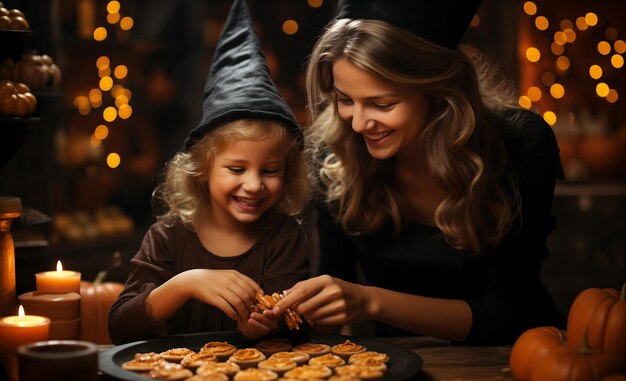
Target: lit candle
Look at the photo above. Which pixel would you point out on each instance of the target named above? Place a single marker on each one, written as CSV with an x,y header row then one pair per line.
x,y
58,282
22,329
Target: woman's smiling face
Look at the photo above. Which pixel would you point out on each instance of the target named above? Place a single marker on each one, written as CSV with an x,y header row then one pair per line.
x,y
390,117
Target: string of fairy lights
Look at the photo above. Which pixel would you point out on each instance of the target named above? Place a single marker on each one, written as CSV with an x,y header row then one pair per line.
x,y
610,48
111,83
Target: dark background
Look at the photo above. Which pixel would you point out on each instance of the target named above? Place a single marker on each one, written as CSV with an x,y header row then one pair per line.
x,y
52,164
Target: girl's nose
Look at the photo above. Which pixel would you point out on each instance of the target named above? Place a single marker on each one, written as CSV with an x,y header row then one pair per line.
x,y
253,183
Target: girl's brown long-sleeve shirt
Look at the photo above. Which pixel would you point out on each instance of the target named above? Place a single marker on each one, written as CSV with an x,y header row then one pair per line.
x,y
276,262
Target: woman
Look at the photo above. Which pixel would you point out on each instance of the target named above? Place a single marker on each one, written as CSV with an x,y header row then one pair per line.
x,y
432,180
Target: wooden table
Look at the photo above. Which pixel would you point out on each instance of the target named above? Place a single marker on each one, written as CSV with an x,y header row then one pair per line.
x,y
444,361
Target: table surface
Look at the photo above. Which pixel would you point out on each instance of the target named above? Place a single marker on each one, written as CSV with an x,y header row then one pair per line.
x,y
444,361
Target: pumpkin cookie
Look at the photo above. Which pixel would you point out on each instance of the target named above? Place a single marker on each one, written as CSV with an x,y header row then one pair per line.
x,y
362,372
254,374
300,358
170,371
247,357
347,349
176,354
330,360
280,366
313,349
309,371
368,355
271,346
195,360
208,377
227,368
142,362
221,349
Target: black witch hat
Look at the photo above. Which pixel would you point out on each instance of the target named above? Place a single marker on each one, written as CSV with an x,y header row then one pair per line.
x,y
239,84
442,22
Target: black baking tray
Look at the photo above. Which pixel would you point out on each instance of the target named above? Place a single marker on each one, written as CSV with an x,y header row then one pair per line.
x,y
403,364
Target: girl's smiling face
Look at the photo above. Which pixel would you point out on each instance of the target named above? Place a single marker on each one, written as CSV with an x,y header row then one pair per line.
x,y
246,179
390,117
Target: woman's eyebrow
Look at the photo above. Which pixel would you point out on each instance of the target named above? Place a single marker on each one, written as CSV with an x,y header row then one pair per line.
x,y
378,96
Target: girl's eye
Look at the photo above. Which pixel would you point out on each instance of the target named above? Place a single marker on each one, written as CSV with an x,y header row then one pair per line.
x,y
271,171
236,170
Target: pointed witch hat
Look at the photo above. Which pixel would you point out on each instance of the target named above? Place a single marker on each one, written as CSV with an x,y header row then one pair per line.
x,y
239,84
442,22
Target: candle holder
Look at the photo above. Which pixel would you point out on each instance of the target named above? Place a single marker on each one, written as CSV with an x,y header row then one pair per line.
x,y
10,209
58,360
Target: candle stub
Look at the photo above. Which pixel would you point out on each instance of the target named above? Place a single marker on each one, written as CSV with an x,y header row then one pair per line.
x,y
54,306
58,282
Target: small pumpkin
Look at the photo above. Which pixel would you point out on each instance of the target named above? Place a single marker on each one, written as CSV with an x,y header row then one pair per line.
x,y
532,346
567,363
95,303
601,314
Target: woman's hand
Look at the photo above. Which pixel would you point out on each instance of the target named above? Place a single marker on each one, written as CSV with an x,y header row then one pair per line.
x,y
325,300
228,290
258,324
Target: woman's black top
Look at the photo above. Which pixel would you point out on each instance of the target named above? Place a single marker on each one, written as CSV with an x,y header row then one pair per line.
x,y
502,285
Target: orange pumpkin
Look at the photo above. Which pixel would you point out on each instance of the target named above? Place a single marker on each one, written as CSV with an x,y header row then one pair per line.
x,y
95,302
601,313
567,363
532,346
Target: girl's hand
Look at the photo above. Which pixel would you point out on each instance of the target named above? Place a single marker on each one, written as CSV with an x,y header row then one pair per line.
x,y
325,300
228,290
258,324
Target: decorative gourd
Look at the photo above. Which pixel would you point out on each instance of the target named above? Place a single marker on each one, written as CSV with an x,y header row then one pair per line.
x,y
532,346
567,363
96,300
601,313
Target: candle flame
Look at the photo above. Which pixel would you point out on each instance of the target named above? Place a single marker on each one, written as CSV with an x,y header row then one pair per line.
x,y
59,266
20,311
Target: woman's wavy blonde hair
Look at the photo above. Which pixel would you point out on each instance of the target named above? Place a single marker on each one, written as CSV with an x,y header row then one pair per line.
x,y
183,193
458,145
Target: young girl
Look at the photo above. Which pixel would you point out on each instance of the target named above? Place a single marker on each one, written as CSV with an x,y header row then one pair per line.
x,y
433,181
228,231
